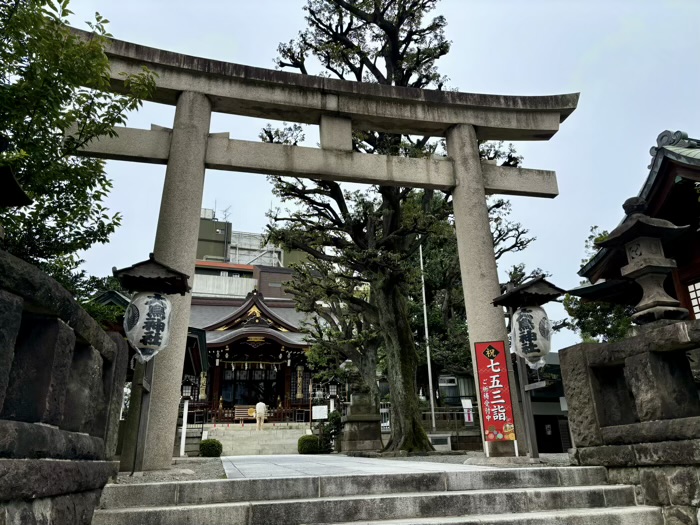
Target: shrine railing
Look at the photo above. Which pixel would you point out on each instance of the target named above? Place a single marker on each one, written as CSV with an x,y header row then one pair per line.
x,y
446,418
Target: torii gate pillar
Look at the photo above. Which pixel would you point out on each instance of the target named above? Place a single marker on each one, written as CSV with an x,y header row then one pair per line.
x,y
477,263
176,246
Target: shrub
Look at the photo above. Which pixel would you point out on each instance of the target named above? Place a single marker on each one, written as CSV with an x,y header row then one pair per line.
x,y
329,432
210,448
308,445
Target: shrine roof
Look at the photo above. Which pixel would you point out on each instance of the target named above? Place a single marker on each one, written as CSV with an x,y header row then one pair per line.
x,y
217,316
673,148
291,315
204,315
221,337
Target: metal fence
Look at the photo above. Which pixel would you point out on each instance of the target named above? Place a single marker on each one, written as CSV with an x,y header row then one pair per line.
x,y
201,413
446,418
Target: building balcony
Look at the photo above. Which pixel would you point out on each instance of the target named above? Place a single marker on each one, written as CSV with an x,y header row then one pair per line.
x,y
220,286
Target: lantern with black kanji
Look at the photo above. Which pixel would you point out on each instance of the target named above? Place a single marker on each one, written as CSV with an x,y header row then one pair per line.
x,y
531,331
147,318
147,323
531,334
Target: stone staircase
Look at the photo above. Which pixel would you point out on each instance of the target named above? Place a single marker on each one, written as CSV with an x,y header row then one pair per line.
x,y
237,440
537,496
193,437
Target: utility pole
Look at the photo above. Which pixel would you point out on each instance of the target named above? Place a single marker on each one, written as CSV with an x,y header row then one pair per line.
x,y
427,339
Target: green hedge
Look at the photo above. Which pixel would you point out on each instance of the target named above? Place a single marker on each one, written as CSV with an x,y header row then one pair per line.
x,y
210,448
308,445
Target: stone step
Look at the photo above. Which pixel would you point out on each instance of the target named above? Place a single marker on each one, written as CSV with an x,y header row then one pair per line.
x,y
376,507
249,442
236,448
607,516
267,439
282,436
249,431
263,451
250,427
266,489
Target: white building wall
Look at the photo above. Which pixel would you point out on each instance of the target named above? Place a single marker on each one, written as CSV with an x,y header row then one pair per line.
x,y
218,286
250,248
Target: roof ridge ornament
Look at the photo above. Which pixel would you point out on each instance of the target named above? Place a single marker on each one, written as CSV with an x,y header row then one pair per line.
x,y
673,138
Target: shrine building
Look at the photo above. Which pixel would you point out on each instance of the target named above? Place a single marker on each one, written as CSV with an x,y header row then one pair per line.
x,y
255,349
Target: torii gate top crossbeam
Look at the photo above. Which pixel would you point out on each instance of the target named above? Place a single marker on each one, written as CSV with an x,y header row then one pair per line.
x,y
265,93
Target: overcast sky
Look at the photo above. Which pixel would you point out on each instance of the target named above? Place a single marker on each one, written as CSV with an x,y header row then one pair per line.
x,y
633,61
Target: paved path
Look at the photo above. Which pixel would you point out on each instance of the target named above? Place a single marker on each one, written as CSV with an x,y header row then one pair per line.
x,y
332,465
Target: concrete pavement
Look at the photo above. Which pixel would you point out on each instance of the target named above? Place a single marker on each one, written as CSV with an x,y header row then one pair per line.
x,y
290,466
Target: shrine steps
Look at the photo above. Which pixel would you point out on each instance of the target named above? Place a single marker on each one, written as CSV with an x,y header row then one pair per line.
x,y
246,441
567,496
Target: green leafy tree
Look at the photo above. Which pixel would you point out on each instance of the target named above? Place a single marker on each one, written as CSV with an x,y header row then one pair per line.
x,y
597,320
54,99
363,244
341,328
447,318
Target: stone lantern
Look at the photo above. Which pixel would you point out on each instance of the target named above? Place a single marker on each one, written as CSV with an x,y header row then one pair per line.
x,y
333,385
641,237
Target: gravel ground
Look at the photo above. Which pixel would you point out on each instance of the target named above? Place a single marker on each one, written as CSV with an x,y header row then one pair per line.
x,y
186,469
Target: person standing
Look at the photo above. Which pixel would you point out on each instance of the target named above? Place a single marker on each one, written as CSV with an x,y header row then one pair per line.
x,y
260,410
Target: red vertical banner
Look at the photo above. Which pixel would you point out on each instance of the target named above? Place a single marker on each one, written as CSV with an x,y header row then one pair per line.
x,y
496,406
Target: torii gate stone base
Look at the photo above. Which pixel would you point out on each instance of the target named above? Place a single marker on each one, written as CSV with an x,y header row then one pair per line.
x,y
198,86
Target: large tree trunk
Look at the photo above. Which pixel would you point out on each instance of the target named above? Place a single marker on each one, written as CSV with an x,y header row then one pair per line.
x,y
407,433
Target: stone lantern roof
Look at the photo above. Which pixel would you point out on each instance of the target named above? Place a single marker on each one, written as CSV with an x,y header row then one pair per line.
x,y
636,224
535,292
151,275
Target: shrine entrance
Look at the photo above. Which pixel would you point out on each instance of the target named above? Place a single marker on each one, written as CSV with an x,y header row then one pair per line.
x,y
247,387
254,355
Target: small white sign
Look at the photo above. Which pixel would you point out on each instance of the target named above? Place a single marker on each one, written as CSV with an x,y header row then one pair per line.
x,y
468,411
319,412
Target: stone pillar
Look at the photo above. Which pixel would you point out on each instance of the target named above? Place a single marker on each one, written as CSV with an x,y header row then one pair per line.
x,y
362,427
476,259
10,320
175,246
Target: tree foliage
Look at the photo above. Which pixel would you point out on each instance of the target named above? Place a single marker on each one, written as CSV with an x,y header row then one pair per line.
x,y
597,320
361,276
54,99
447,318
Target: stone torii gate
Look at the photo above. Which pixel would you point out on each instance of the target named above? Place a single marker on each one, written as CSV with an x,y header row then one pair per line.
x,y
198,86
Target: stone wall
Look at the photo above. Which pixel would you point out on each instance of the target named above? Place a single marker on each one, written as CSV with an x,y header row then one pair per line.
x,y
634,408
61,389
